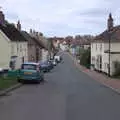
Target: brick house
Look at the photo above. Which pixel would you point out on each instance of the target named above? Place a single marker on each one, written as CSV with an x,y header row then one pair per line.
x,y
34,47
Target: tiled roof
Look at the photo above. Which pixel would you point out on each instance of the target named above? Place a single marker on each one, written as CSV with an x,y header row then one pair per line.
x,y
12,33
43,41
39,42
113,35
28,37
81,42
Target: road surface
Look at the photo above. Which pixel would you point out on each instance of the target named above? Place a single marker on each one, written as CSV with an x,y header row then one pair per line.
x,y
67,94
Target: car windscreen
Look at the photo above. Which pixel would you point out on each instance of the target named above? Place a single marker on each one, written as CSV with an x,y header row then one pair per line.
x,y
44,63
28,67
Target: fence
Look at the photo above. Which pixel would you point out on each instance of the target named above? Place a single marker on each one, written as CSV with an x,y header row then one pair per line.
x,y
9,73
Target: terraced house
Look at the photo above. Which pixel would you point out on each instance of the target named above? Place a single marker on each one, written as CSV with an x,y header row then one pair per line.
x,y
35,47
17,43
5,51
42,42
105,49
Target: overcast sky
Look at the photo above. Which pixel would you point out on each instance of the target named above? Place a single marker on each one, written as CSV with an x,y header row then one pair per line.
x,y
62,17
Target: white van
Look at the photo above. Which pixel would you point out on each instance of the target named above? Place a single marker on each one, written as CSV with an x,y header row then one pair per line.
x,y
57,58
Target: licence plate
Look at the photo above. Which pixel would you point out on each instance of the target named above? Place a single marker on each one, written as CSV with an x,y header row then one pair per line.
x,y
27,73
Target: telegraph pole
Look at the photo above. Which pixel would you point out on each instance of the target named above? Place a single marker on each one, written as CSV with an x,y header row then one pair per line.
x,y
109,51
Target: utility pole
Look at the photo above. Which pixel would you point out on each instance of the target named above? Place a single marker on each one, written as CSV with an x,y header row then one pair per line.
x,y
109,34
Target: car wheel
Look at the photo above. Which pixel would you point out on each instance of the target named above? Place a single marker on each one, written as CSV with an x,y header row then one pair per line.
x,y
38,81
19,80
22,81
42,79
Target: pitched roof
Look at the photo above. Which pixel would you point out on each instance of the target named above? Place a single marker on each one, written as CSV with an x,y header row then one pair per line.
x,y
113,35
43,41
12,33
81,42
28,37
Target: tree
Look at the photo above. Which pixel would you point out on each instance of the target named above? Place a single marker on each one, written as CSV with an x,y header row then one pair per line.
x,y
85,58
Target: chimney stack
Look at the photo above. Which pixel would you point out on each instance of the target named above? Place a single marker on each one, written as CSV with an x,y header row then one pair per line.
x,y
34,33
30,32
19,26
40,34
110,22
2,18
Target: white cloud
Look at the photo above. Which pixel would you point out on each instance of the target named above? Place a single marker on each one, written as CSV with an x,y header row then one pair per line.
x,y
61,17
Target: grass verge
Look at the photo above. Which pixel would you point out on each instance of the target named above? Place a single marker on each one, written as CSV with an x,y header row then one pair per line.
x,y
6,82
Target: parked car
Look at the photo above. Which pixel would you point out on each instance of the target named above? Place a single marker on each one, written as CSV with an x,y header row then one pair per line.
x,y
44,65
58,58
30,71
54,62
50,64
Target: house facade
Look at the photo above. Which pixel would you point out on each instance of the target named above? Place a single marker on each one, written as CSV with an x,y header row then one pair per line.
x,y
105,49
64,46
38,46
34,47
18,44
72,50
5,51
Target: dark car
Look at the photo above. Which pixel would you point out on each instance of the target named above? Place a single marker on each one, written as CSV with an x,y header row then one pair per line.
x,y
51,65
53,62
44,66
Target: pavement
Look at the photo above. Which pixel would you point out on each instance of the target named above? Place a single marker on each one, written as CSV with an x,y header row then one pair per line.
x,y
67,94
4,92
110,82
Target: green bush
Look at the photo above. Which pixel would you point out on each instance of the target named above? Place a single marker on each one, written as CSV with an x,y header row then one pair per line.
x,y
85,58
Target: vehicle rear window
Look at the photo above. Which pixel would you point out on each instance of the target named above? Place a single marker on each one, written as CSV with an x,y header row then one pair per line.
x,y
29,67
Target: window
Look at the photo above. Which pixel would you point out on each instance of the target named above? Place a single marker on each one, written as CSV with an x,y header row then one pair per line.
x,y
96,46
93,59
12,49
100,46
100,60
92,45
20,48
106,65
29,67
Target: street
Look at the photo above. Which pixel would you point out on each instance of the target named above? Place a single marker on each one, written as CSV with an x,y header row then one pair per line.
x,y
66,94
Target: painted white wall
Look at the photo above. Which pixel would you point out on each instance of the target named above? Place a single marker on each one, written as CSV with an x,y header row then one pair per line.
x,y
64,47
86,47
45,55
99,49
19,49
5,51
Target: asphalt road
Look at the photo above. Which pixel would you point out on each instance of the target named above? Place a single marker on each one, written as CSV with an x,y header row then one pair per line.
x,y
67,94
